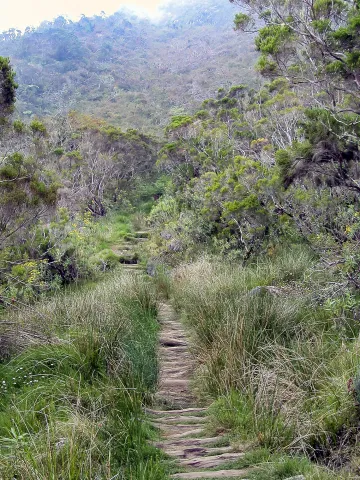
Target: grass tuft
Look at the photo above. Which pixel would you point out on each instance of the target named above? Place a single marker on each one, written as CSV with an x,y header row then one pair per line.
x,y
72,407
272,356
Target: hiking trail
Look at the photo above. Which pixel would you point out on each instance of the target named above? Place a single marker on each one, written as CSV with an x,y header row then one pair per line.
x,y
181,421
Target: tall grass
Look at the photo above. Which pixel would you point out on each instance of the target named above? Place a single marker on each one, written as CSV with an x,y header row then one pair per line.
x,y
78,371
276,361
110,230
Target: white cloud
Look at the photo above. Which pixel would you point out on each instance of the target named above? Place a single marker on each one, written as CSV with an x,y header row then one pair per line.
x,y
22,13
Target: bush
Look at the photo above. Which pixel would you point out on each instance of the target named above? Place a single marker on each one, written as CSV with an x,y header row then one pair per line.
x,y
105,260
37,126
19,126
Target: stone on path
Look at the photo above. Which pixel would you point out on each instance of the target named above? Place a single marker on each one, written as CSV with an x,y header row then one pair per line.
x,y
195,451
211,461
186,442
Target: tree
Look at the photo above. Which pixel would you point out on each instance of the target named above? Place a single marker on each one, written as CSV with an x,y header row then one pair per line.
x,y
8,88
312,42
315,46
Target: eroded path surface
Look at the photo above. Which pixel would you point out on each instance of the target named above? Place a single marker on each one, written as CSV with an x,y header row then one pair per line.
x,y
182,423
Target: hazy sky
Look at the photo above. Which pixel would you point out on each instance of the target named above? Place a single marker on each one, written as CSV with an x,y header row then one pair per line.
x,y
23,13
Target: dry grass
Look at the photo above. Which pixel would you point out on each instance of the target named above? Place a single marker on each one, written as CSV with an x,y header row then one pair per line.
x,y
277,364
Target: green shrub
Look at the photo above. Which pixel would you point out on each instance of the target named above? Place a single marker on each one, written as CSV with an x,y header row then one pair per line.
x,y
37,126
19,126
58,151
105,260
275,354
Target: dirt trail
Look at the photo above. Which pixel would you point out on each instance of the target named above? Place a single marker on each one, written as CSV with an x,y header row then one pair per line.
x,y
182,423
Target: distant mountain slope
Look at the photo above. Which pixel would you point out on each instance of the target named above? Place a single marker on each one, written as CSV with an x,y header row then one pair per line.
x,y
127,70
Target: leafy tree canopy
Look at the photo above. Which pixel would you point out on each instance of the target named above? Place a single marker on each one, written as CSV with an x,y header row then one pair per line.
x,y
8,87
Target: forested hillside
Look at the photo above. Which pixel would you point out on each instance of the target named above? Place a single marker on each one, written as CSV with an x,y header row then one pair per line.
x,y
127,70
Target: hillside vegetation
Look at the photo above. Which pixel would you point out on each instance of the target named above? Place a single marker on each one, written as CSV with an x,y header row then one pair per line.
x,y
263,207
245,210
126,70
71,402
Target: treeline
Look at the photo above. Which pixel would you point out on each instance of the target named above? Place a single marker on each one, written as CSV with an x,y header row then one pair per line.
x,y
127,70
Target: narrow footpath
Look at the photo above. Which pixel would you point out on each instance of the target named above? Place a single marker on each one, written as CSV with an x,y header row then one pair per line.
x,y
181,422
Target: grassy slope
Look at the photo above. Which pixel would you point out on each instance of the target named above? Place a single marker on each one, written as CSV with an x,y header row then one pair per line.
x,y
80,365
71,403
276,365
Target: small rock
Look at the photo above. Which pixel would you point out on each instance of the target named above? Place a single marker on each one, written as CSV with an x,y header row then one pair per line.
x,y
176,246
151,269
166,235
257,291
298,477
260,291
61,443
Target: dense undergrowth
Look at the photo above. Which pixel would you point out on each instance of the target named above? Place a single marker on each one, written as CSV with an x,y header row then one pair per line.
x,y
80,367
278,352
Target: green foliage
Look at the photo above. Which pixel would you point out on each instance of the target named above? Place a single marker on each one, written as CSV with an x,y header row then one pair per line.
x,y
247,420
85,390
271,354
37,127
78,163
243,21
58,151
284,161
112,132
179,121
202,114
75,154
19,126
8,88
272,38
106,259
155,85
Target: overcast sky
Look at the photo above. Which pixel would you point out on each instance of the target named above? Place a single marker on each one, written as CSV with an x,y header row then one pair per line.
x,y
22,13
